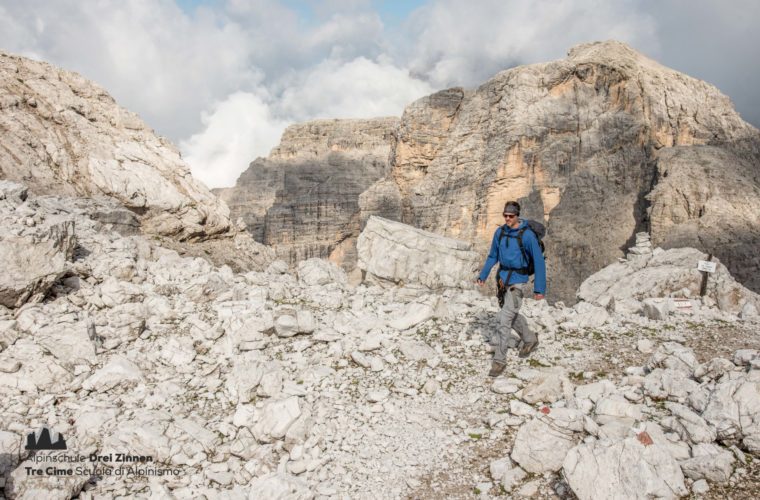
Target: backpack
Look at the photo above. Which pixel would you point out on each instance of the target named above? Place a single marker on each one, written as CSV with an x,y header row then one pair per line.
x,y
540,231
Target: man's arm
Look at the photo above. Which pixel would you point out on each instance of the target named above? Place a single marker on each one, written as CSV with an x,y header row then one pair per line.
x,y
493,257
539,280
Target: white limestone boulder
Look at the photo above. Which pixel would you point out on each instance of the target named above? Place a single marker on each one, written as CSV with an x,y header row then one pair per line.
x,y
616,407
414,314
33,258
733,409
547,386
689,425
119,371
665,273
393,252
286,325
674,356
668,384
417,351
320,272
590,315
274,419
657,308
540,447
243,379
624,468
710,462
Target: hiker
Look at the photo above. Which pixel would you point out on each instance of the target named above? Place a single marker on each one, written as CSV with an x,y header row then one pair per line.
x,y
517,249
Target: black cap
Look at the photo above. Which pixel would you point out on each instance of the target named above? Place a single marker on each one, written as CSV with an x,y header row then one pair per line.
x,y
512,207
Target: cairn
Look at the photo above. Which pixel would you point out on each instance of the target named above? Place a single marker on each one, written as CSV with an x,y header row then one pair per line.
x,y
643,246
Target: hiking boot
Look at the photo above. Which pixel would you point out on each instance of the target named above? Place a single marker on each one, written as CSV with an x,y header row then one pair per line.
x,y
496,369
527,349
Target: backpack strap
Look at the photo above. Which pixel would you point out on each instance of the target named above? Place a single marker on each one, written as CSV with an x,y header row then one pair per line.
x,y
502,233
519,242
521,270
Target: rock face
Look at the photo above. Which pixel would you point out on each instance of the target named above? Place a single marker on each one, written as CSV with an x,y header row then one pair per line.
x,y
34,253
62,134
706,197
395,252
303,199
604,131
575,138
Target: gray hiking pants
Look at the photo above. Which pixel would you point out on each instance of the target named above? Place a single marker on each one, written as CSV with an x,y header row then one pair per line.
x,y
510,317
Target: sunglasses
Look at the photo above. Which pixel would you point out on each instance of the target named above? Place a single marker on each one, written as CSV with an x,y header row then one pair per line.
x,y
509,216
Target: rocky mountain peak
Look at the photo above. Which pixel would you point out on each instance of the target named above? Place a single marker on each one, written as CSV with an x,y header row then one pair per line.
x,y
63,134
222,382
599,146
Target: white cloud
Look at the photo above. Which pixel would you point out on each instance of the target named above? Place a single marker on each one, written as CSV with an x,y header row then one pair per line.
x,y
465,43
248,125
357,89
239,129
224,80
149,55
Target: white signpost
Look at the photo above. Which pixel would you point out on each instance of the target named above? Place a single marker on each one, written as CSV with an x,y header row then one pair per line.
x,y
706,266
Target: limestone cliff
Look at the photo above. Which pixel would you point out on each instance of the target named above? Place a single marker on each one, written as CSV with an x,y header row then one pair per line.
x,y
599,145
304,198
62,134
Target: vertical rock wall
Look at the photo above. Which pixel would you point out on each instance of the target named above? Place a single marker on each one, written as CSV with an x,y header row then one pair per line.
x,y
599,146
304,198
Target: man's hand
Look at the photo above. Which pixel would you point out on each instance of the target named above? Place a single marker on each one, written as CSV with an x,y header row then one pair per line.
x,y
538,296
480,282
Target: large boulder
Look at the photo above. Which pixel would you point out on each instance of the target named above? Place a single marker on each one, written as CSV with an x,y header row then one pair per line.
x,y
709,461
733,409
663,274
390,251
33,258
627,468
541,445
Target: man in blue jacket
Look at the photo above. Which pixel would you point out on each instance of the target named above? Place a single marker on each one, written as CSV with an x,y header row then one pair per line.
x,y
514,275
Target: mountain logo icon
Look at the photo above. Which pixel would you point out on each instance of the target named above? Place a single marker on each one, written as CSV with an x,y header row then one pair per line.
x,y
45,439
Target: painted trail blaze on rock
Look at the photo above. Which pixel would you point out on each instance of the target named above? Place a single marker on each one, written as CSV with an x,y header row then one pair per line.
x,y
644,438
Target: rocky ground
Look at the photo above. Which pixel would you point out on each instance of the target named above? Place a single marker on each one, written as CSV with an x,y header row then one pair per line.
x,y
294,384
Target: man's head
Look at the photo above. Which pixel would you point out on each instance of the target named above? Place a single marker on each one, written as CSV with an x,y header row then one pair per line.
x,y
511,213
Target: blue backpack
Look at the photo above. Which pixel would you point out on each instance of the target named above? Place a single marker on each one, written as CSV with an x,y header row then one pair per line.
x,y
540,231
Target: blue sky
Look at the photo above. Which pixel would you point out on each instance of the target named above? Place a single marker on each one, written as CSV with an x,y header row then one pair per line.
x,y
392,12
223,78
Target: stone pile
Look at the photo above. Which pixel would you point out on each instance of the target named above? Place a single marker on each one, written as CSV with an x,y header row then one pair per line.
x,y
643,246
671,423
266,383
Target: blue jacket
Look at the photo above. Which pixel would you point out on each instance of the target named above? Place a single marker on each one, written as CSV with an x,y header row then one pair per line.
x,y
507,253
